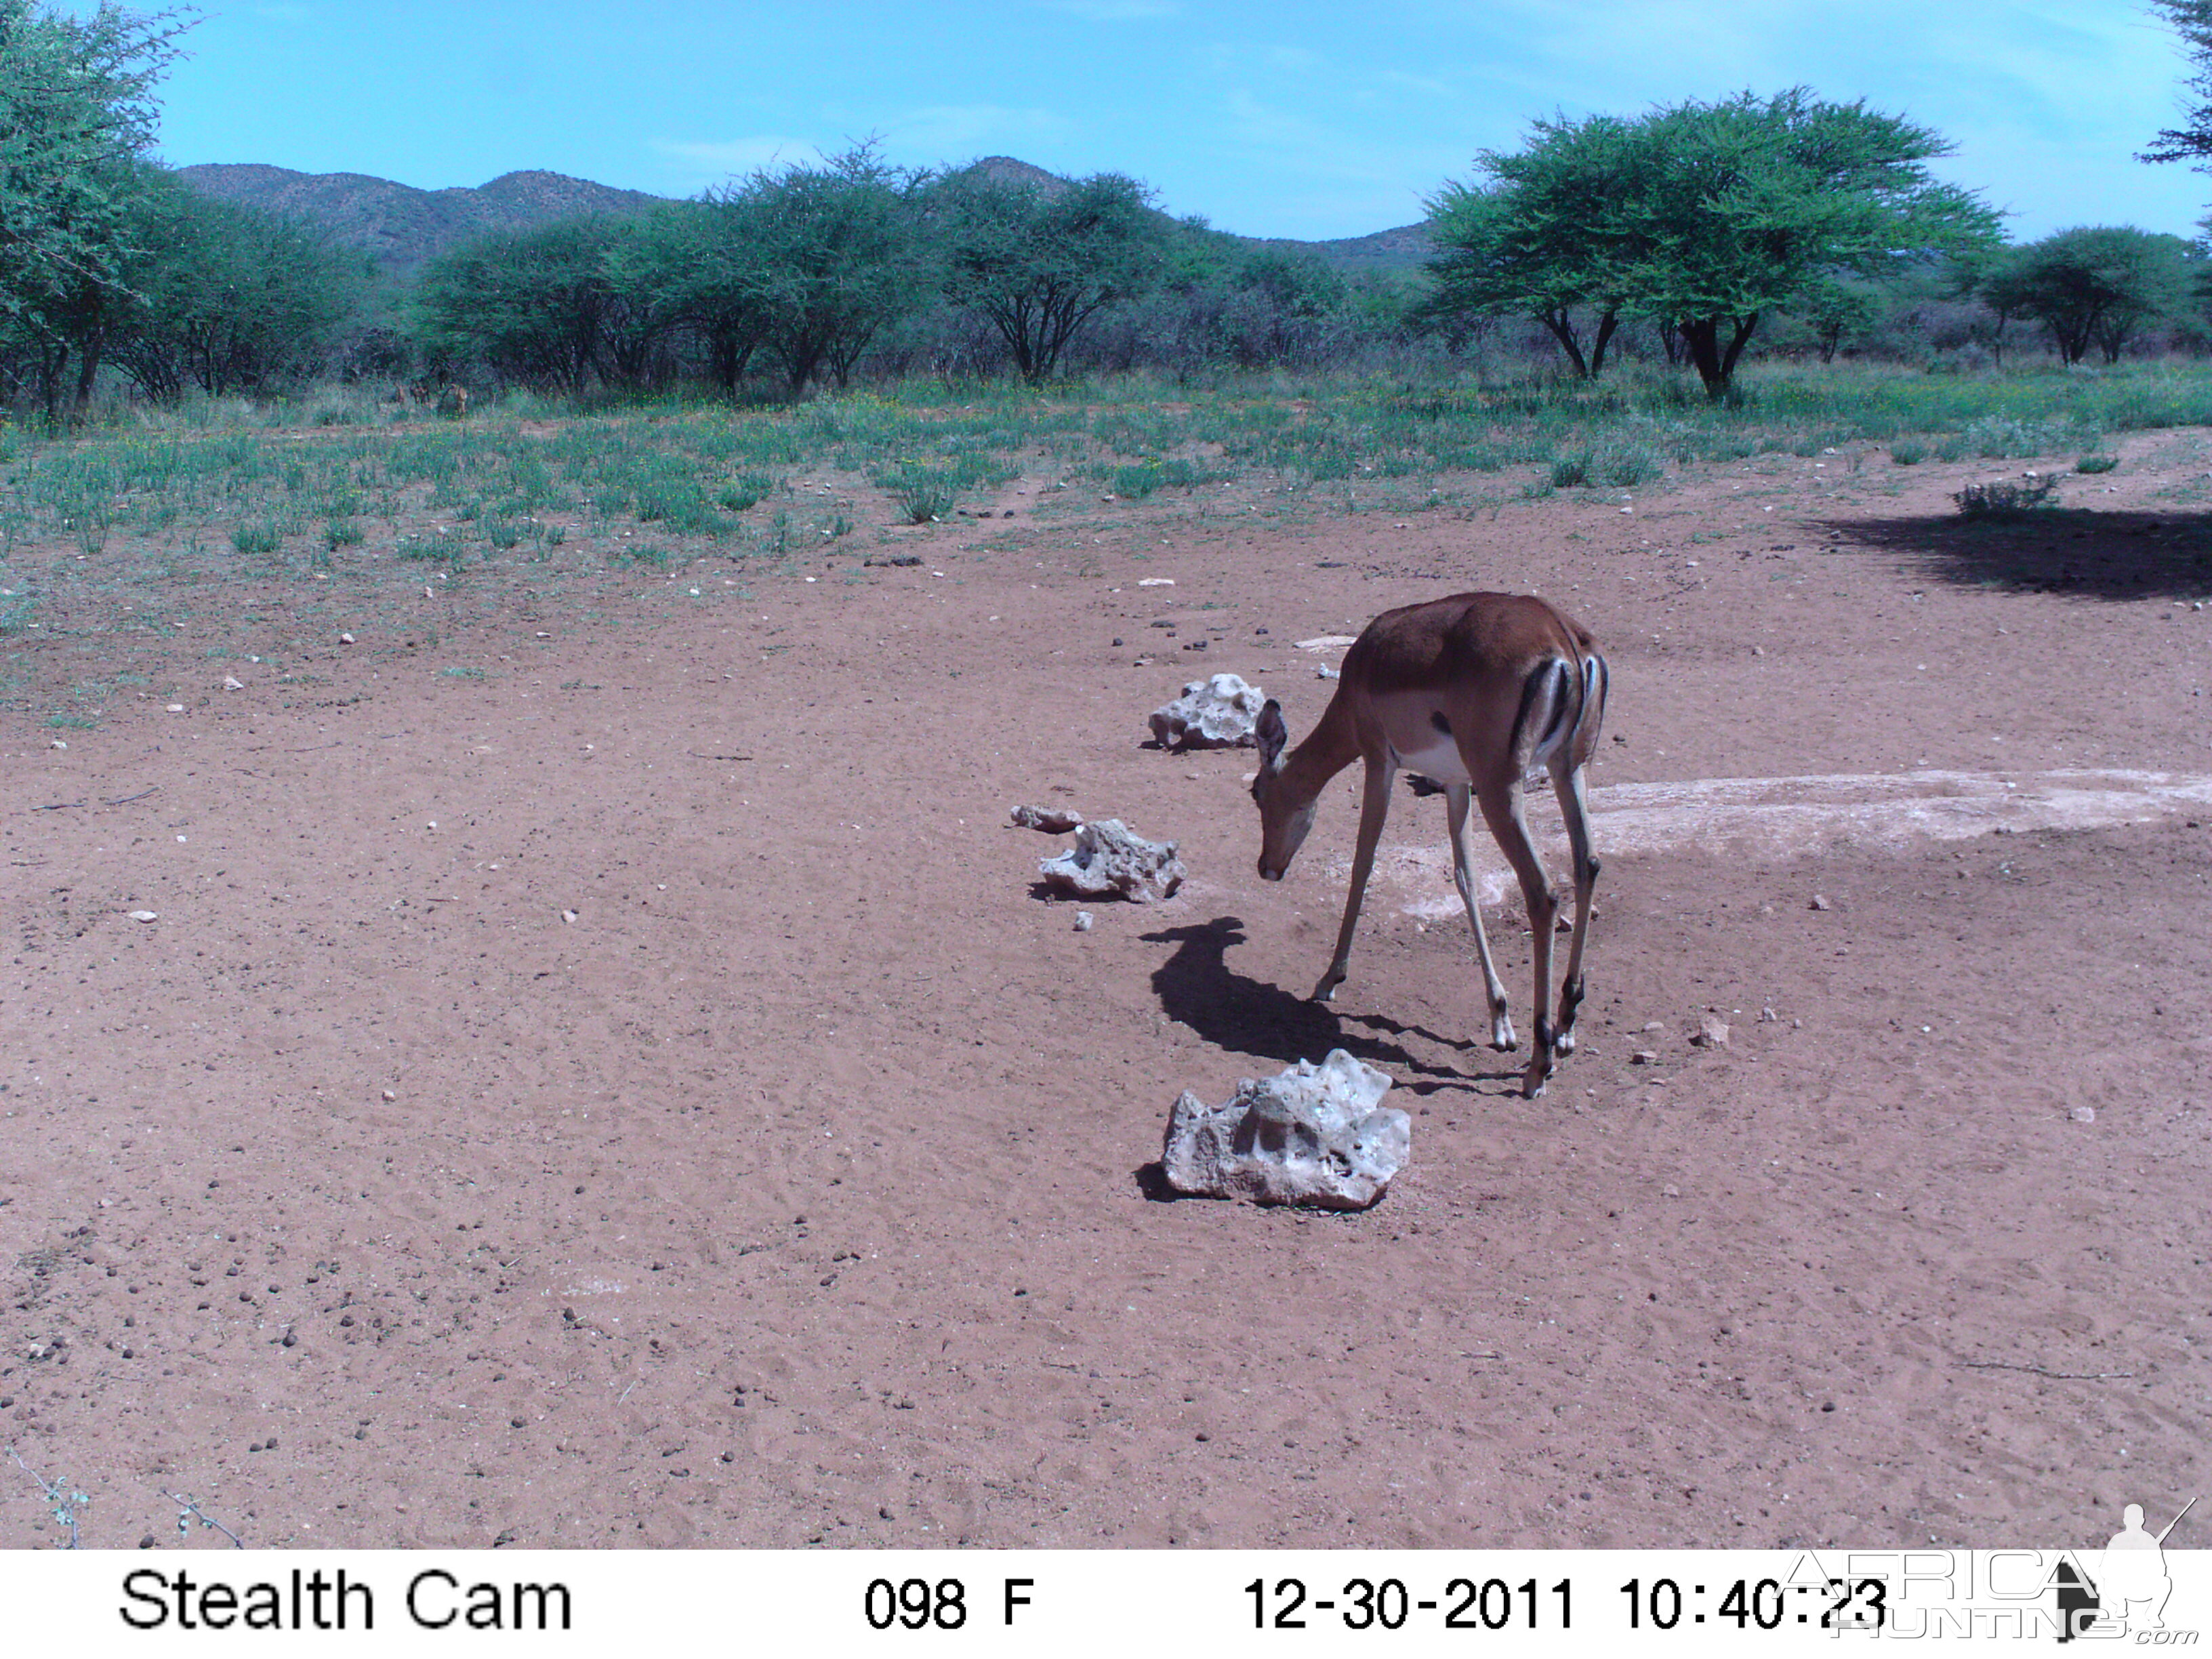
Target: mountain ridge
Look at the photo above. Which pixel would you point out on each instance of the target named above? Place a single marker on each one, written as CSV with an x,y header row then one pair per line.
x,y
403,226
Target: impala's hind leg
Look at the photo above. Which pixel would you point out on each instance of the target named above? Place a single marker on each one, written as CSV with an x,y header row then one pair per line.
x,y
1502,811
1567,783
1501,1023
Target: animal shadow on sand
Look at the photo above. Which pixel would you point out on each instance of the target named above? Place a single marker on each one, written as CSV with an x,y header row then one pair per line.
x,y
1197,988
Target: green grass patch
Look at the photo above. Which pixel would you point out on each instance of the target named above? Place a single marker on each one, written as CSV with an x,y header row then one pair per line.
x,y
1145,477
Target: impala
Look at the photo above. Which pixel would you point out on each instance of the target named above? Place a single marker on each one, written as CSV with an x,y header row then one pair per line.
x,y
1478,692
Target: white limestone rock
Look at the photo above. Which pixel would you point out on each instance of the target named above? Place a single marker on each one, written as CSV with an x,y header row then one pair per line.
x,y
1218,712
1107,861
1312,1134
1053,820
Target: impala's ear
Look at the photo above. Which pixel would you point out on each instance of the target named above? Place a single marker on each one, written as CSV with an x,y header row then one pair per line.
x,y
1272,734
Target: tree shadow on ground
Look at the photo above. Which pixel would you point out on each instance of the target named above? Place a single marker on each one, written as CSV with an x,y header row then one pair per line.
x,y
2115,554
1198,989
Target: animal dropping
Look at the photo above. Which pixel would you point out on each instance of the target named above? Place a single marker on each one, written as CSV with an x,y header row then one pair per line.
x,y
1311,1134
1107,860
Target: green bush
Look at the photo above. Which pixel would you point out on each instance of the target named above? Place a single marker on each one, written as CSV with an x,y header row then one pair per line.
x,y
745,490
921,494
1621,463
2096,464
1625,464
1906,453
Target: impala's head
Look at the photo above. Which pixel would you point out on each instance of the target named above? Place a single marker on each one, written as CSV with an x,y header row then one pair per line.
x,y
1283,821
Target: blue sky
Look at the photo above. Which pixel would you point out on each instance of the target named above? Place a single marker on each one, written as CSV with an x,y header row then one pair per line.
x,y
1282,120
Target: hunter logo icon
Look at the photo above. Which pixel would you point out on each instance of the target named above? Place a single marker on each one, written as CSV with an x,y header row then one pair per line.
x,y
2129,1590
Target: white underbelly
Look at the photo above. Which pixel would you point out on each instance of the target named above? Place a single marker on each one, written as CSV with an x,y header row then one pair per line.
x,y
1440,760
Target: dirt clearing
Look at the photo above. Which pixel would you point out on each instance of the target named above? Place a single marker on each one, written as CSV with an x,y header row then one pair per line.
x,y
595,1084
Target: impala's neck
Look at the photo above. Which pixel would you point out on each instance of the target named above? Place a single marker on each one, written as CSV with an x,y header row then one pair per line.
x,y
1327,750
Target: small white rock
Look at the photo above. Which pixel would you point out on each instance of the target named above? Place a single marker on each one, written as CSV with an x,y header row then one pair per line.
x,y
388,1095
58,743
567,916
1156,581
144,915
1325,672
345,639
2083,1114
1083,921
176,708
232,682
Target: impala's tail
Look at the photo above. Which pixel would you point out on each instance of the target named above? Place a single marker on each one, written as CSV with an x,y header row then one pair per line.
x,y
1562,708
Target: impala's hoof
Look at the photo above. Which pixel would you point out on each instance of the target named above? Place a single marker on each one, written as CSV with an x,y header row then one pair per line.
x,y
1532,1086
1326,991
1501,1036
1564,1044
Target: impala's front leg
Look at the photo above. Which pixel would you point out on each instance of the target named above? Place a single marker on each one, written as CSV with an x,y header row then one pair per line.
x,y
1501,1022
1374,807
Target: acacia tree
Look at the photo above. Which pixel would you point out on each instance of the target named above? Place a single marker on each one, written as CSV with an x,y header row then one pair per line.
x,y
1708,217
543,306
1041,261
1529,241
76,113
822,257
226,297
1833,307
698,265
2191,141
2095,284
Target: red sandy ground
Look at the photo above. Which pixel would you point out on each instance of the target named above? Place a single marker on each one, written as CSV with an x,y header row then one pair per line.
x,y
793,1192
